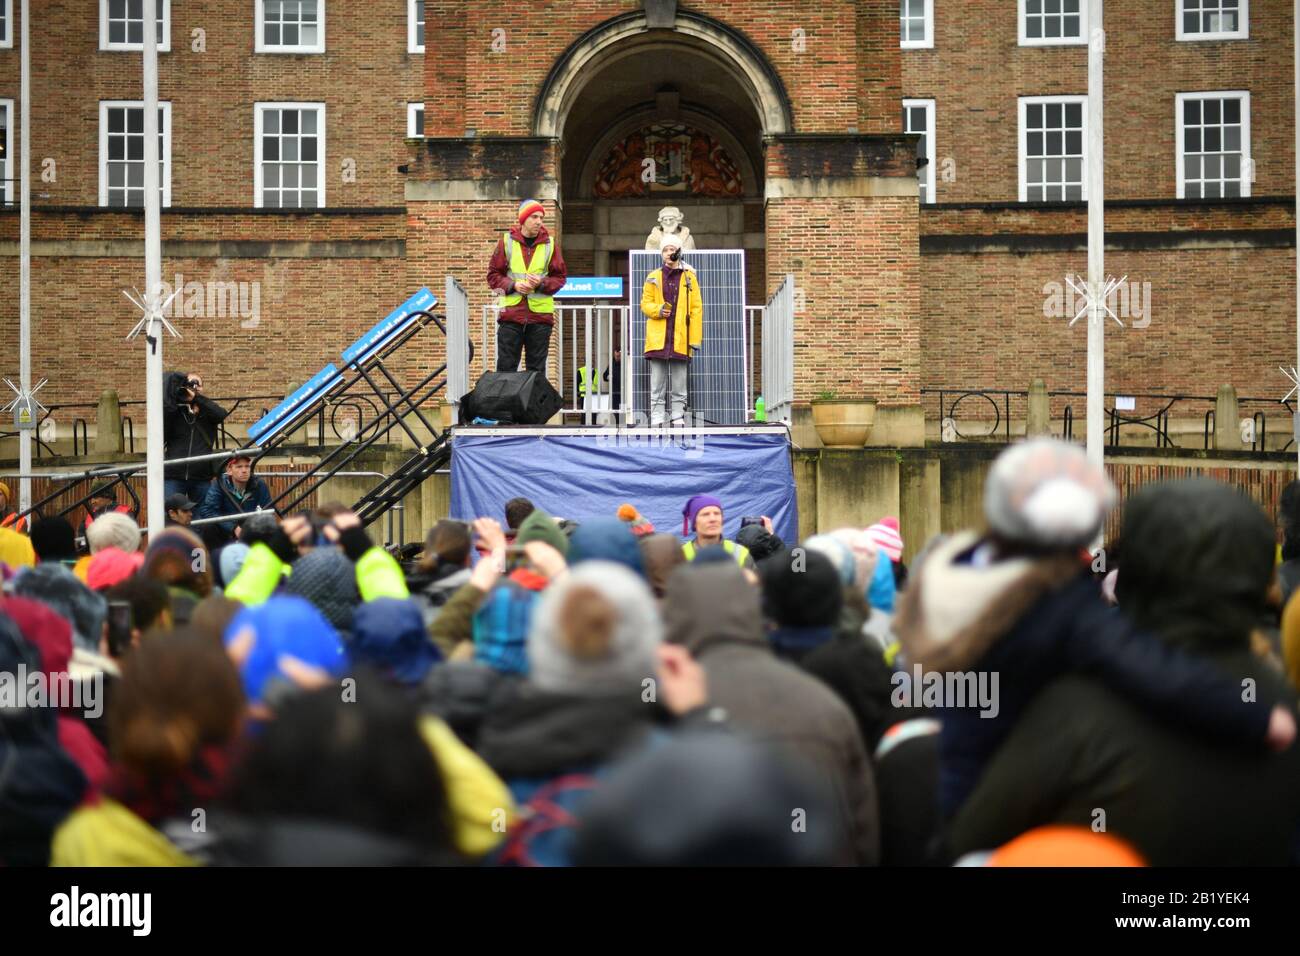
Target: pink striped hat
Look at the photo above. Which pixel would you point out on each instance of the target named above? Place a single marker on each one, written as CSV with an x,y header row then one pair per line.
x,y
885,534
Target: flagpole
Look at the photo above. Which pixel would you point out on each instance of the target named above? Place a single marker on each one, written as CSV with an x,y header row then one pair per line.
x,y
1096,239
25,256
152,275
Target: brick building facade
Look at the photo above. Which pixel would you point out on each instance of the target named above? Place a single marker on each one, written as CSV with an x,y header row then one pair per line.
x,y
801,103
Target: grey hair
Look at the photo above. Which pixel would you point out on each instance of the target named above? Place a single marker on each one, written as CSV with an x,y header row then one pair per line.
x,y
113,530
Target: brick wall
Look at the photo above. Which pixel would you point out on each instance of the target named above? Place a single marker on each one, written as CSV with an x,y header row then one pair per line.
x,y
1217,316
879,314
857,334
457,239
310,310
976,71
818,65
365,77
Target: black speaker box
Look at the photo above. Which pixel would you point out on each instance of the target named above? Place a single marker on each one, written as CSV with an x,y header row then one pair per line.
x,y
512,398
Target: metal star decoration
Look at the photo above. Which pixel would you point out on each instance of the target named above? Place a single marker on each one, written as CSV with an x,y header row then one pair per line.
x,y
1294,378
23,397
1111,285
148,305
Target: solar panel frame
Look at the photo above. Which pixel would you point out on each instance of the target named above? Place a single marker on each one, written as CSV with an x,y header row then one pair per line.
x,y
716,385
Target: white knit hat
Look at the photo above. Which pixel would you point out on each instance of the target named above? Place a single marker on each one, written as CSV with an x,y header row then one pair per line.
x,y
1046,492
670,239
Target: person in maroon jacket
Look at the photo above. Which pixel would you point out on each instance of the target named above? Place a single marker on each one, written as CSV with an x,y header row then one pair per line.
x,y
526,271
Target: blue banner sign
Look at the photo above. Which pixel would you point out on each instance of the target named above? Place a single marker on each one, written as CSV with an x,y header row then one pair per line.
x,y
391,325
592,287
317,386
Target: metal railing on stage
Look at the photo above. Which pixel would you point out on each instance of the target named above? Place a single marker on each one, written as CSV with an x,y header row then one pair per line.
x,y
778,352
585,336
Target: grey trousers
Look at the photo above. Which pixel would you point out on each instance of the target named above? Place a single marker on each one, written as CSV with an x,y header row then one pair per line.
x,y
667,384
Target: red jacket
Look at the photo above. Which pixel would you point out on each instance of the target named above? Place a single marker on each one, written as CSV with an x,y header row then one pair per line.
x,y
498,278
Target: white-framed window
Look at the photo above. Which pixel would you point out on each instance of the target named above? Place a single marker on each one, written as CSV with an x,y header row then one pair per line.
x,y
121,24
6,151
289,156
1053,22
1212,19
1053,164
289,26
915,24
918,117
6,24
121,152
414,26
1213,145
414,120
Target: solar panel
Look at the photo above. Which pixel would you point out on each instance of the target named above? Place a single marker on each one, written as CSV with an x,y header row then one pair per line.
x,y
716,390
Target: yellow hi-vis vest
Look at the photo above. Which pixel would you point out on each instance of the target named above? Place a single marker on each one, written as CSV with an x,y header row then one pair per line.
x,y
738,551
540,265
584,380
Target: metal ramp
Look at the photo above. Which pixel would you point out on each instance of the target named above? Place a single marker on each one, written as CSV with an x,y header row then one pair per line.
x,y
365,373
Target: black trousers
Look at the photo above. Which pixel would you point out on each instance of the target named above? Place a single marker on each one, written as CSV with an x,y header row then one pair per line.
x,y
513,338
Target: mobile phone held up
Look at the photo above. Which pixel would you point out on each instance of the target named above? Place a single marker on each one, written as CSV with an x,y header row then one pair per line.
x,y
748,520
119,627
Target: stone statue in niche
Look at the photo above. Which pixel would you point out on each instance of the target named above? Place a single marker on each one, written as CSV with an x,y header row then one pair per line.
x,y
670,222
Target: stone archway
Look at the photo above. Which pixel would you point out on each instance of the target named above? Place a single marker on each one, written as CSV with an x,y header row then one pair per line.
x,y
625,76
705,34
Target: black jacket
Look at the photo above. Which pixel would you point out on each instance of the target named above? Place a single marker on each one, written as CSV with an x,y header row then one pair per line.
x,y
1057,627
186,434
462,693
1198,560
538,735
1179,799
715,614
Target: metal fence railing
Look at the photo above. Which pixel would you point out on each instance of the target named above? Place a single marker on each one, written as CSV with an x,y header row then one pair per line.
x,y
992,411
585,336
778,353
458,350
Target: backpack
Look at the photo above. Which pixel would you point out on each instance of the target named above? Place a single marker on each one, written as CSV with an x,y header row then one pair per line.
x,y
544,833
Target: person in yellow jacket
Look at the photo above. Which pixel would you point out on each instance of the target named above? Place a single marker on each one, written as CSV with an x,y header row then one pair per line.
x,y
674,331
9,516
16,549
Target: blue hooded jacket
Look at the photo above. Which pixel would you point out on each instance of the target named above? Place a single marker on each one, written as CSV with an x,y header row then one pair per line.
x,y
389,634
606,539
290,626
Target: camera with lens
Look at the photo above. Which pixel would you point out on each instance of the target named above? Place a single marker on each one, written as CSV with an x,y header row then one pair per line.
x,y
182,388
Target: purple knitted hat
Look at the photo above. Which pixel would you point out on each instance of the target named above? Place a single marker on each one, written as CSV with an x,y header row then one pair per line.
x,y
694,505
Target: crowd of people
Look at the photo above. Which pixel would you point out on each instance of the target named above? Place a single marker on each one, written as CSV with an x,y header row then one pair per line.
x,y
535,690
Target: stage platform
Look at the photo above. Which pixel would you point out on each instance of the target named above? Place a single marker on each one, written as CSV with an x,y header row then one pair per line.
x,y
583,472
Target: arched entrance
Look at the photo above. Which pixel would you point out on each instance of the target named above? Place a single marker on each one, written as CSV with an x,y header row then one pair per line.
x,y
695,100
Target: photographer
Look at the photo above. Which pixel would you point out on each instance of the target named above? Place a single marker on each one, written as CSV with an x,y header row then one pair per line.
x,y
190,423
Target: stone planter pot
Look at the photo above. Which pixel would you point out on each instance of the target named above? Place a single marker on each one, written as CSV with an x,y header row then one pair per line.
x,y
844,422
